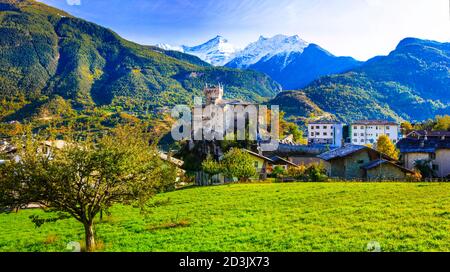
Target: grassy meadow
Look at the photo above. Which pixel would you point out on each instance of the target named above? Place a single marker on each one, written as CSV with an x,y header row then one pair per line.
x,y
260,217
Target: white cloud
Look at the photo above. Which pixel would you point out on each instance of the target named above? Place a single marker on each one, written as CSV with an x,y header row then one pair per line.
x,y
74,2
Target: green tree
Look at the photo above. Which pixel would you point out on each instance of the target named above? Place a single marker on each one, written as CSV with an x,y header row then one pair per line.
x,y
299,172
442,122
279,171
296,132
289,128
385,146
238,163
406,127
85,176
316,173
212,167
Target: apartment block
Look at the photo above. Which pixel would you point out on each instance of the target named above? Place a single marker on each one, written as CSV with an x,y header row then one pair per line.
x,y
364,132
326,133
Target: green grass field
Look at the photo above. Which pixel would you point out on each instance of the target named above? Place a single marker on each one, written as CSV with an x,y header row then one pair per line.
x,y
261,217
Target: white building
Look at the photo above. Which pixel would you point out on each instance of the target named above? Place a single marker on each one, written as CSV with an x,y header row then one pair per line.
x,y
368,131
326,132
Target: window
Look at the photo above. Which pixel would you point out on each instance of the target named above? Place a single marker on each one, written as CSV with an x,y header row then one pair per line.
x,y
360,161
356,134
362,140
331,134
312,133
388,134
325,134
256,164
355,127
355,140
432,156
362,134
387,127
435,167
325,127
317,127
362,127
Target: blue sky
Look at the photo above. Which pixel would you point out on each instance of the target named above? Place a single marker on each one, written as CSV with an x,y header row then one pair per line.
x,y
358,28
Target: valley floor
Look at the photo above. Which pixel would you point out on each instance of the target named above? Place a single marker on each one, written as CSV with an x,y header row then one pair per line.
x,y
260,217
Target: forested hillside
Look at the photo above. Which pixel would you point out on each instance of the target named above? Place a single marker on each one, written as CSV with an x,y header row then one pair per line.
x,y
411,83
45,52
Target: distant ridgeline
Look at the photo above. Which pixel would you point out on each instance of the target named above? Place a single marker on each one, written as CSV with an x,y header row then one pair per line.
x,y
50,57
46,52
411,83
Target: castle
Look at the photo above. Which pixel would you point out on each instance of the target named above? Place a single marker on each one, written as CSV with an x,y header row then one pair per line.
x,y
213,94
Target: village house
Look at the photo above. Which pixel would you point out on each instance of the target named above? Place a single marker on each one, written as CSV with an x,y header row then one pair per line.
x,y
356,162
365,132
298,154
6,148
430,147
424,134
265,165
326,133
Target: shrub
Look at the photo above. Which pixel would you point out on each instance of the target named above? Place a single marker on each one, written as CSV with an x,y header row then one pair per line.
x,y
316,173
297,173
238,164
212,167
278,172
417,176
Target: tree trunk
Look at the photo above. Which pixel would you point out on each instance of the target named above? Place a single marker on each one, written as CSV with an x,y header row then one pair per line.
x,y
89,233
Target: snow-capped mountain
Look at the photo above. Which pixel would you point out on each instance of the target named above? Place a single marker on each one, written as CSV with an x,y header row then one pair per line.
x,y
291,61
166,46
266,48
217,51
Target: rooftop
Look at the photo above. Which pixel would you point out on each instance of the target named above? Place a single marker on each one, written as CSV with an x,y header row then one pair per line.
x,y
6,148
325,122
259,156
168,158
423,133
374,122
278,159
236,102
347,150
287,150
414,145
341,152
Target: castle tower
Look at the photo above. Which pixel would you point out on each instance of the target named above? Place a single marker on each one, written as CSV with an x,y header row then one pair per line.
x,y
213,94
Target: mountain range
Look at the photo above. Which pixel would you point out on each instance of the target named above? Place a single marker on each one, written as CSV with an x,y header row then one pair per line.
x,y
217,51
289,60
45,52
411,83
